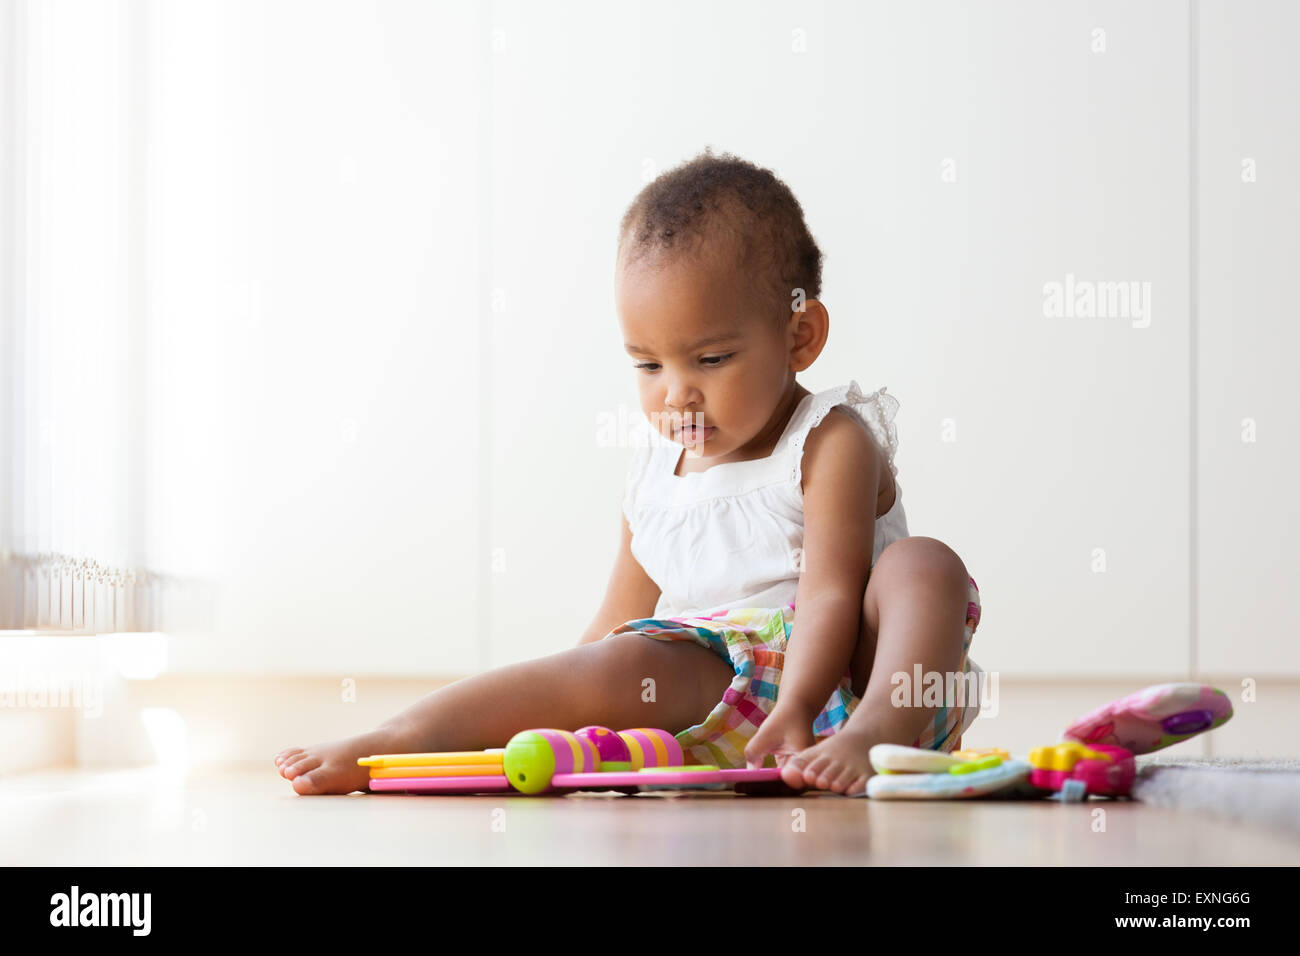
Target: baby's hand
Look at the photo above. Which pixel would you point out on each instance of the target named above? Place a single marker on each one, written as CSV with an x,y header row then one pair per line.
x,y
786,731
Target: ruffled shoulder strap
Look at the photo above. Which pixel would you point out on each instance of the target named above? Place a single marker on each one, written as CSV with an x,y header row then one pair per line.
x,y
876,411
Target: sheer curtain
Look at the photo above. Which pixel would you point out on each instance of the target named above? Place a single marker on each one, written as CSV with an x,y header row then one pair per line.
x,y
74,547
230,229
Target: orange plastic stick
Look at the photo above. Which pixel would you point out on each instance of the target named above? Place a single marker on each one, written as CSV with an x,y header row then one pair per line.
x,y
473,770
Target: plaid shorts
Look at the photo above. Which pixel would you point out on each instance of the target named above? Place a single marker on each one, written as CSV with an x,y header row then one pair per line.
x,y
754,640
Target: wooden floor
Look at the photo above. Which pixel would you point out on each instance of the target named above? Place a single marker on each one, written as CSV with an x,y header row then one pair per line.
x,y
249,815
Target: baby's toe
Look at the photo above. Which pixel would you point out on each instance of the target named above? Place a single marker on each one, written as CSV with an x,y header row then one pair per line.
x,y
821,771
858,787
794,771
843,777
285,754
300,765
284,763
792,775
307,784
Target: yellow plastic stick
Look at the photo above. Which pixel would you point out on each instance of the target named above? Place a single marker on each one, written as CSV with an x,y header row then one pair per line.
x,y
451,759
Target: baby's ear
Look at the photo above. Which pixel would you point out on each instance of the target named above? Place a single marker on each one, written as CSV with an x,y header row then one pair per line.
x,y
811,330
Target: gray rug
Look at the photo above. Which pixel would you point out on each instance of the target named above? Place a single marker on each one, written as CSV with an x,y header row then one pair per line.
x,y
1252,790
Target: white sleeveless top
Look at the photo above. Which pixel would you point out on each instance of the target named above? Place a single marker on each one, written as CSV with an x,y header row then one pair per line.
x,y
732,536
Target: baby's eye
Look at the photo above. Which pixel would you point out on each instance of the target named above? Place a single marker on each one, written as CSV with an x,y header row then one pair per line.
x,y
711,361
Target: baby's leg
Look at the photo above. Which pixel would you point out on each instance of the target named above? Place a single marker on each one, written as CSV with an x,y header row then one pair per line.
x,y
596,683
914,612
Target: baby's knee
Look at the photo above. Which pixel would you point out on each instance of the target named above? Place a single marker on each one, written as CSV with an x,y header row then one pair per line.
x,y
919,556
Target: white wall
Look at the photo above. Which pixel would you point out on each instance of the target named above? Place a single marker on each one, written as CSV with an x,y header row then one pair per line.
x,y
382,242
317,239
1026,441
1249,206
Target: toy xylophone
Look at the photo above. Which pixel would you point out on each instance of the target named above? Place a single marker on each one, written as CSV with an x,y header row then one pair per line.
x,y
559,761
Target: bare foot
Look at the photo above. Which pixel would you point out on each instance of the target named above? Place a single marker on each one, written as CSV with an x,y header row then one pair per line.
x,y
332,767
838,763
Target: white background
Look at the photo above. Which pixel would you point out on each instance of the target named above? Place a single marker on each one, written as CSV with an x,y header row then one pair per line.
x,y
377,339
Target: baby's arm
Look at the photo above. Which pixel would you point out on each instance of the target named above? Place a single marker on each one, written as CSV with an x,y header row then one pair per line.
x,y
631,593
841,477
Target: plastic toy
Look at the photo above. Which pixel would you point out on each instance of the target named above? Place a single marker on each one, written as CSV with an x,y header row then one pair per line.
x,y
895,758
558,761
912,773
1096,758
464,764
442,784
994,776
1102,770
1153,718
536,760
984,752
1068,770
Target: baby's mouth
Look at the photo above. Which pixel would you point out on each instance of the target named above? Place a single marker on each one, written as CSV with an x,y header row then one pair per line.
x,y
694,434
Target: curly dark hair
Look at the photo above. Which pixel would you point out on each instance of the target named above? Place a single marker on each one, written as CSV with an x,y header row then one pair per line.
x,y
724,202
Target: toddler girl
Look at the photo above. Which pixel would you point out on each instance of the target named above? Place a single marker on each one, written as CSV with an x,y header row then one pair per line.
x,y
748,497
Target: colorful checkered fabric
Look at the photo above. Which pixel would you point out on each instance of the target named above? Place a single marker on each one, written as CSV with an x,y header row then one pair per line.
x,y
754,640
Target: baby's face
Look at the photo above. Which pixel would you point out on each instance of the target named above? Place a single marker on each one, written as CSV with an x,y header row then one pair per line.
x,y
729,387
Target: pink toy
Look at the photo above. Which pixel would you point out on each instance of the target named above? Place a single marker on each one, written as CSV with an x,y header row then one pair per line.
x,y
463,785
612,749
645,780
1102,770
1153,718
